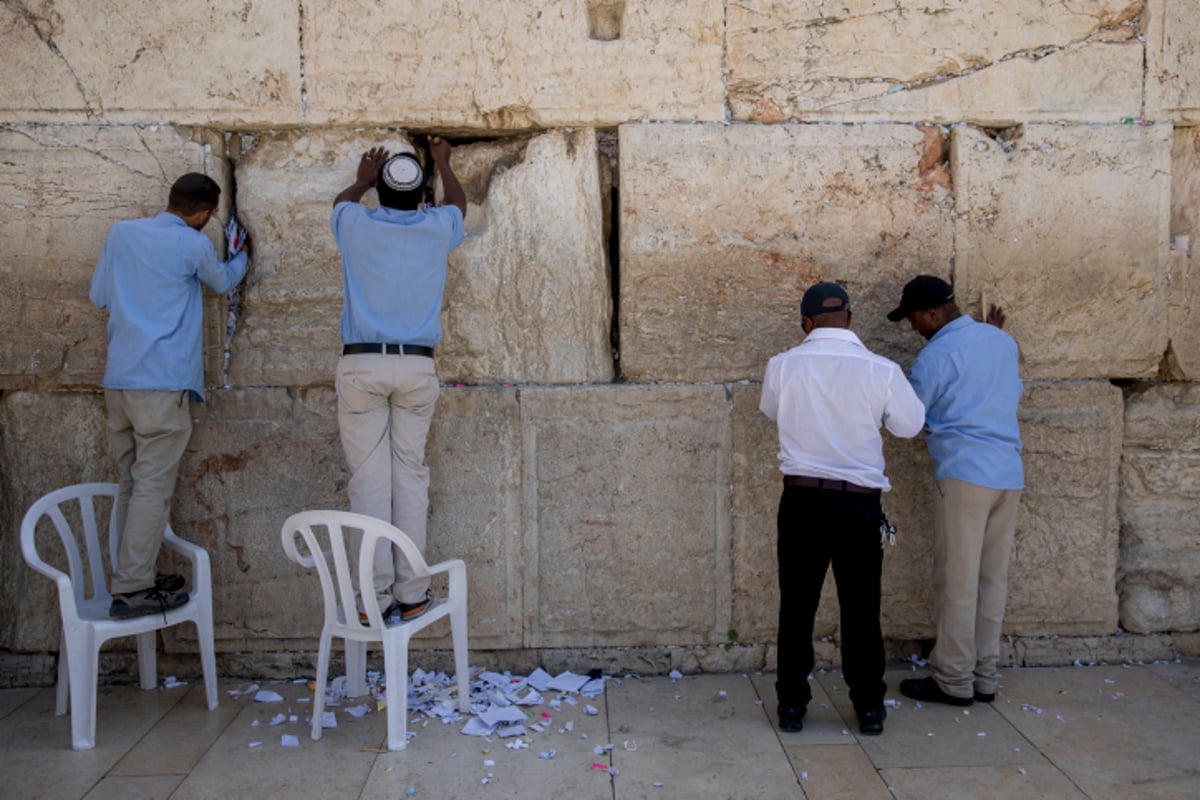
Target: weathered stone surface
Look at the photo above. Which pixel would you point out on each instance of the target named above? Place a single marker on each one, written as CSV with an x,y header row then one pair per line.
x,y
991,62
1173,60
228,63
500,65
1183,360
1160,476
47,440
723,228
1066,228
64,187
527,295
1062,576
626,498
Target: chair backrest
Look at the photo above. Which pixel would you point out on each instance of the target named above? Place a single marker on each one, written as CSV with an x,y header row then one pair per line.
x,y
334,546
56,505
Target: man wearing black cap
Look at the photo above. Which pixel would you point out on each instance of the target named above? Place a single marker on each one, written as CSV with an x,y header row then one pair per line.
x,y
394,261
967,377
830,397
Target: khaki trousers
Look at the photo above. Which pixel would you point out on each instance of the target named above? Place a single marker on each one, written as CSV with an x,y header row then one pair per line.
x,y
148,432
974,529
385,405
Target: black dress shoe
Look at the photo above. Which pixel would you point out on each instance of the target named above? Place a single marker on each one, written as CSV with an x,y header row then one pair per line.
x,y
791,718
985,697
927,691
870,722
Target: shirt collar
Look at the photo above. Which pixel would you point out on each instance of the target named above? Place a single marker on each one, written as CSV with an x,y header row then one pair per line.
x,y
838,334
953,325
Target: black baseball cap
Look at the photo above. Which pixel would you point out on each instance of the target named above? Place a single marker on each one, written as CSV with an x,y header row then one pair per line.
x,y
922,292
823,298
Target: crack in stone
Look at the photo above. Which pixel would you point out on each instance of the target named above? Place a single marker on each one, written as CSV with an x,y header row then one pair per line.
x,y
46,37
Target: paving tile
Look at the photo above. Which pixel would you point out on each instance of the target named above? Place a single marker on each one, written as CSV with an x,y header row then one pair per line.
x,y
696,742
1183,675
822,723
335,766
37,758
441,762
828,772
131,787
12,699
181,738
1090,718
1034,782
928,735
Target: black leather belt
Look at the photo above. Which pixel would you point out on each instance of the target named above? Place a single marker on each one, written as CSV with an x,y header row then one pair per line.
x,y
358,348
825,483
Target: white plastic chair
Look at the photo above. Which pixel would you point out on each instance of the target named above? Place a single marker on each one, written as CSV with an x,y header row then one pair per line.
x,y
341,611
85,621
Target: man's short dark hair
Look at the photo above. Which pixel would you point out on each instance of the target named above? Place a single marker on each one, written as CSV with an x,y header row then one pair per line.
x,y
193,193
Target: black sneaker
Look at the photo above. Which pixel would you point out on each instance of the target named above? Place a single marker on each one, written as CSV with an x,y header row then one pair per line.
x,y
146,602
927,691
984,697
168,582
791,718
410,611
870,722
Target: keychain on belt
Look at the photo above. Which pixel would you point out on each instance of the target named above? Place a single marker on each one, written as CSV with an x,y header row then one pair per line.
x,y
887,532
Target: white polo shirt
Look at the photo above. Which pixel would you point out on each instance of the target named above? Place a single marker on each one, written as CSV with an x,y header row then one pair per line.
x,y
830,397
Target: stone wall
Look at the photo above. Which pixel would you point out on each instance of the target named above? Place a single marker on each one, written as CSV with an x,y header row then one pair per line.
x,y
651,187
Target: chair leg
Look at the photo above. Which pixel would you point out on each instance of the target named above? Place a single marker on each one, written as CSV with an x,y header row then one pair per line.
x,y
395,666
356,668
147,659
208,656
82,663
64,677
318,704
462,676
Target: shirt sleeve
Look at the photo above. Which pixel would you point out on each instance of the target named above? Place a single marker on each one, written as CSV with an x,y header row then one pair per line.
x,y
768,403
904,414
453,219
220,276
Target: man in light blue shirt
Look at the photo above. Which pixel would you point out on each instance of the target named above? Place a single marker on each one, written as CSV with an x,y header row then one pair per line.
x,y
394,261
148,277
968,380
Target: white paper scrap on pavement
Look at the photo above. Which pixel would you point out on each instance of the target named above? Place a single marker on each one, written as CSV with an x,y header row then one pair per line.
x,y
328,720
591,710
539,679
530,699
568,682
279,719
267,696
675,675
510,731
494,716
477,727
593,688
287,740
496,679
358,712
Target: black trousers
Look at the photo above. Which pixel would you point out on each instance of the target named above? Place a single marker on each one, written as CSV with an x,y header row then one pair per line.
x,y
816,527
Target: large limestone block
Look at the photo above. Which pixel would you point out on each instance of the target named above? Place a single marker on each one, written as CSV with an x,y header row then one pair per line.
x,y
1183,361
1173,60
227,63
501,65
258,456
527,297
1062,576
64,187
724,227
626,498
1066,227
47,440
1160,532
991,62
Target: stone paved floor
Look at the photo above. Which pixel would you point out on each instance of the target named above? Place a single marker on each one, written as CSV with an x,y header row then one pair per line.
x,y
1075,732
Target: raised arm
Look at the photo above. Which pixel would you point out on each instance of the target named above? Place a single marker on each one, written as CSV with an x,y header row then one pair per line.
x,y
439,148
365,177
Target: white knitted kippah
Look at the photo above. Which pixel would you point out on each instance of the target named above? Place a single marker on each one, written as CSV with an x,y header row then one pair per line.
x,y
402,173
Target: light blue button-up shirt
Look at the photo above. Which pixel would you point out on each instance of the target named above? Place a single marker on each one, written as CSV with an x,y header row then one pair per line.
x,y
148,277
394,271
967,378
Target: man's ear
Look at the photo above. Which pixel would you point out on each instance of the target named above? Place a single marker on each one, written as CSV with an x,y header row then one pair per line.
x,y
805,324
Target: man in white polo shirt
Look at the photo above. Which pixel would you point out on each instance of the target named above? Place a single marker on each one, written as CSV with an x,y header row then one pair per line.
x,y
830,396
394,261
